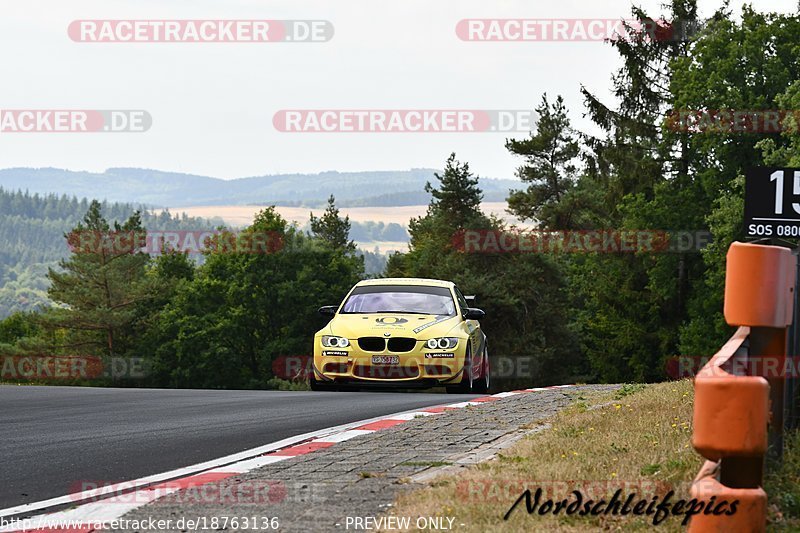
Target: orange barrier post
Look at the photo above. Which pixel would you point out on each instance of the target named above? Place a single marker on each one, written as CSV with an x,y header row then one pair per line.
x,y
732,407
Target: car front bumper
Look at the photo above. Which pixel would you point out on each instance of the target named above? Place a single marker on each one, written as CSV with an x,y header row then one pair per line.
x,y
419,366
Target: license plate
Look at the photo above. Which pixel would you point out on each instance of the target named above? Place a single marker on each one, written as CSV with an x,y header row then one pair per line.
x,y
385,360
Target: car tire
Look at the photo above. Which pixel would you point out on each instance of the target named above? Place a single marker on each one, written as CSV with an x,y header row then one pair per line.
x,y
319,385
465,386
314,384
483,384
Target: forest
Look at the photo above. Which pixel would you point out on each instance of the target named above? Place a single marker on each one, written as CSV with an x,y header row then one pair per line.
x,y
592,316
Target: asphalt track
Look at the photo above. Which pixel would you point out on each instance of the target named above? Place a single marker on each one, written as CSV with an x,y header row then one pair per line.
x,y
54,438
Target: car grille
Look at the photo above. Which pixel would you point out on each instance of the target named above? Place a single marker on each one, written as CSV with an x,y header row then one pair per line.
x,y
401,344
372,344
386,372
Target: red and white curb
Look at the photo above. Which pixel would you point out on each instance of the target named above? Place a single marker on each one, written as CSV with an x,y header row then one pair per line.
x,y
110,502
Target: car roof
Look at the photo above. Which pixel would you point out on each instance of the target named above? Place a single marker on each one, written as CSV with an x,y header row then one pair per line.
x,y
406,281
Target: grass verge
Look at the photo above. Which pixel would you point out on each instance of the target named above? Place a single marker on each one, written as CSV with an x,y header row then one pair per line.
x,y
636,439
783,487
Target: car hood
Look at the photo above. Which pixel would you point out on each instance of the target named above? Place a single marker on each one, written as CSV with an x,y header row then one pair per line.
x,y
397,324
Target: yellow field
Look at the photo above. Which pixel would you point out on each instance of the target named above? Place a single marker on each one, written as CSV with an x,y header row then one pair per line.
x,y
242,215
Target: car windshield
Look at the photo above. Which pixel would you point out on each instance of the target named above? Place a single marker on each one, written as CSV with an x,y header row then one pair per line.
x,y
400,299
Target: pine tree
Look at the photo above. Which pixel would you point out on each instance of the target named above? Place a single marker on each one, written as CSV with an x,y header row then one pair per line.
x,y
549,169
333,229
458,197
633,156
639,171
102,284
454,206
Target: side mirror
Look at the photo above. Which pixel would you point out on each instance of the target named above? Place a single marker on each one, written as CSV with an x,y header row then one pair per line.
x,y
327,310
473,313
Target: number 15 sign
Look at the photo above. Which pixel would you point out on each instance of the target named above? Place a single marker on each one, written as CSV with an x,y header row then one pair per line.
x,y
772,202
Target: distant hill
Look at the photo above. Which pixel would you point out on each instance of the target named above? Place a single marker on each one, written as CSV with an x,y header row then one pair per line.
x,y
32,229
163,189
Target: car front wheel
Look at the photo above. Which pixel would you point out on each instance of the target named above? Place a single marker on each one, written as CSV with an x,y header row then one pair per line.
x,y
319,385
484,382
465,387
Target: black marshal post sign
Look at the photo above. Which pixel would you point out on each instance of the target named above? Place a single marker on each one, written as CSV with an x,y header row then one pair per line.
x,y
772,202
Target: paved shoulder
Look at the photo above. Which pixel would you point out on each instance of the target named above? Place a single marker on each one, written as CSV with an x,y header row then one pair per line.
x,y
58,437
358,477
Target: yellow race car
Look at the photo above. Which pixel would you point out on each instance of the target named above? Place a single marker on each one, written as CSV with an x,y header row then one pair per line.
x,y
404,332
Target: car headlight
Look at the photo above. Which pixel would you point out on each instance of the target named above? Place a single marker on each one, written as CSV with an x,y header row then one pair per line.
x,y
442,343
331,341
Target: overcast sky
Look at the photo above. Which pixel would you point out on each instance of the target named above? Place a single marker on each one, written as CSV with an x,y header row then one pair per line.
x,y
212,104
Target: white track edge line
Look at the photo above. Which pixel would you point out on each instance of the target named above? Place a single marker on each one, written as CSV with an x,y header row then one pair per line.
x,y
110,490
228,460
